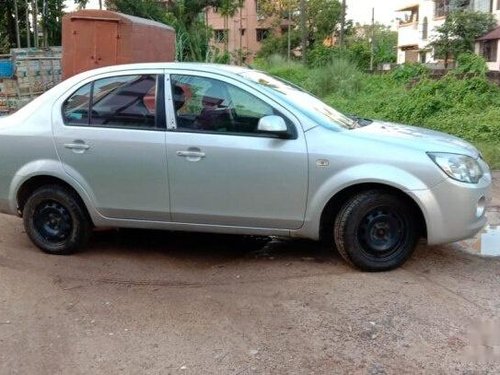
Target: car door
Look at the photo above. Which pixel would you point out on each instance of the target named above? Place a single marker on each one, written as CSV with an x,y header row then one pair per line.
x,y
222,170
110,136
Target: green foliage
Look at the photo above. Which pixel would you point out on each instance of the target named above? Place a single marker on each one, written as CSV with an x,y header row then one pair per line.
x,y
459,32
384,45
278,44
277,65
464,105
471,64
149,9
340,77
320,55
409,72
322,18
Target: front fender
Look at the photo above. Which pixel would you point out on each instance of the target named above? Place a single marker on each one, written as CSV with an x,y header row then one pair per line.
x,y
370,173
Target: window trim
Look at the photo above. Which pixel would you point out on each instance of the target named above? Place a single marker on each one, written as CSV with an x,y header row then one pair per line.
x,y
292,123
160,123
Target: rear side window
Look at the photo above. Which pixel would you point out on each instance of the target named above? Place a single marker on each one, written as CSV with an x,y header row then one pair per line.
x,y
118,102
76,109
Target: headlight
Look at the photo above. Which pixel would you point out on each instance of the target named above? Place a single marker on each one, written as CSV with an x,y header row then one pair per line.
x,y
459,167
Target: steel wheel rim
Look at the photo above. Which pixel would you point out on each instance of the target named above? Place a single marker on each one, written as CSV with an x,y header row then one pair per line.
x,y
381,232
52,221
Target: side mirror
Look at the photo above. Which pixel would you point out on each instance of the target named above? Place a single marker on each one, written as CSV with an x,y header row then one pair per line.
x,y
273,125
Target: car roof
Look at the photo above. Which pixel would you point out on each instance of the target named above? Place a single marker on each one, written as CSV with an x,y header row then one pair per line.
x,y
200,67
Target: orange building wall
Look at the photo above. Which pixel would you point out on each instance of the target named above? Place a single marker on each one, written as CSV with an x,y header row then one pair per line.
x,y
247,19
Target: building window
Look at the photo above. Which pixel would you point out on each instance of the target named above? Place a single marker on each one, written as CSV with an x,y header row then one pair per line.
x,y
490,50
423,57
498,5
444,7
242,32
262,34
220,36
482,6
425,28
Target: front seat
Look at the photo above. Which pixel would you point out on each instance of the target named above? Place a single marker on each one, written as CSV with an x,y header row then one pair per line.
x,y
214,116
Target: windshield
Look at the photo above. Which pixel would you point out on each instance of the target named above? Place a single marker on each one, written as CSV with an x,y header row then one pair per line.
x,y
311,106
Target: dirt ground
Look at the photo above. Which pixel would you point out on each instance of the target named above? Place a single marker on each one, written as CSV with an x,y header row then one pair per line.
x,y
142,302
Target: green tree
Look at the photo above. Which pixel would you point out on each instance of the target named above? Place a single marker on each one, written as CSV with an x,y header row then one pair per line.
x,y
52,12
459,32
359,45
150,9
323,18
8,23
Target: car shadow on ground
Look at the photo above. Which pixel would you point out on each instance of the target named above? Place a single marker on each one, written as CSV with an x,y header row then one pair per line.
x,y
207,247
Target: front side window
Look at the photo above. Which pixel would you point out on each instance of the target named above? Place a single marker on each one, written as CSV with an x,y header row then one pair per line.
x,y
209,105
123,101
301,100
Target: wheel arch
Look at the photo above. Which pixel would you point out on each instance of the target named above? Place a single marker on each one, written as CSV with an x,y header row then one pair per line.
x,y
335,203
35,182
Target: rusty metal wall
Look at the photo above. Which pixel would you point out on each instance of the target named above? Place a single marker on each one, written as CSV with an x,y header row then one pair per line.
x,y
97,38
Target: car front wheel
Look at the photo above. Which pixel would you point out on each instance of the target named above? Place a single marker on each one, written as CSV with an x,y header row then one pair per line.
x,y
56,221
376,231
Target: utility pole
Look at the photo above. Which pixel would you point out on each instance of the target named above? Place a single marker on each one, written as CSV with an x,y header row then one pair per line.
x,y
16,15
303,28
342,24
372,54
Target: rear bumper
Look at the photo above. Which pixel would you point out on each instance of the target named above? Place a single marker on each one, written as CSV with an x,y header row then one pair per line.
x,y
452,209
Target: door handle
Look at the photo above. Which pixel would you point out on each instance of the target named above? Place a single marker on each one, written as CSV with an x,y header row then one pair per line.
x,y
191,154
77,147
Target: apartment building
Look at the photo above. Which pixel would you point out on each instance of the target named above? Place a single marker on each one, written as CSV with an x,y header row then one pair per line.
x,y
245,31
419,19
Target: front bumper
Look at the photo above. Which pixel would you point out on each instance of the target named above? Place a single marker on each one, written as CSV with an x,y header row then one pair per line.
x,y
451,209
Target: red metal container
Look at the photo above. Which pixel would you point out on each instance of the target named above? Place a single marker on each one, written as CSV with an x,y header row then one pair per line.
x,y
96,38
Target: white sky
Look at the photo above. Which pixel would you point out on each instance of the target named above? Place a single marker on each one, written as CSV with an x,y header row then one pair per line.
x,y
357,10
361,10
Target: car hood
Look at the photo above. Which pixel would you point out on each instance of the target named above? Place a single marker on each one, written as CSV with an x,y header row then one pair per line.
x,y
418,138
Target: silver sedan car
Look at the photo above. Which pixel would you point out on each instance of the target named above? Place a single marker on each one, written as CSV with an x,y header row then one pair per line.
x,y
212,148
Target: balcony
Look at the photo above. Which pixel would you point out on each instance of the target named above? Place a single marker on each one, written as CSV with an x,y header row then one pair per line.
x,y
408,34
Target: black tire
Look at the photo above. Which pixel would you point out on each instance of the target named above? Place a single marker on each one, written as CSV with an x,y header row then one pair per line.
x,y
376,231
56,221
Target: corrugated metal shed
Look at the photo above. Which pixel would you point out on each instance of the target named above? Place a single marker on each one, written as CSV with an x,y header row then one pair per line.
x,y
96,38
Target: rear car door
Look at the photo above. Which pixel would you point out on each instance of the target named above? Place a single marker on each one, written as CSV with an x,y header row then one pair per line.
x,y
110,136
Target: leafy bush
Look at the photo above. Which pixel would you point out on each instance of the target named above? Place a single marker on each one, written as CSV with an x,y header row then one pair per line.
x,y
319,55
289,70
410,72
471,64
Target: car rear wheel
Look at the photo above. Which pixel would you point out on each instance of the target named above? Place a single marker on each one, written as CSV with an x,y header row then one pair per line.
x,y
376,231
56,221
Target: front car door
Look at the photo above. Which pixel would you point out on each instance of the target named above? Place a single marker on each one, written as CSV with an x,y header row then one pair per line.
x,y
222,171
110,136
